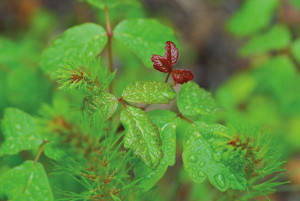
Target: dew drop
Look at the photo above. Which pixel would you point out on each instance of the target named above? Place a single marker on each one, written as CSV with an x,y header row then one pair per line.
x,y
219,178
202,164
188,142
193,158
217,157
201,173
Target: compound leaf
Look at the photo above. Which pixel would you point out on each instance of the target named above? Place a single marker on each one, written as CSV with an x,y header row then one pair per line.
x,y
252,17
149,177
20,132
277,38
27,182
193,100
150,92
103,104
145,37
203,157
77,43
141,135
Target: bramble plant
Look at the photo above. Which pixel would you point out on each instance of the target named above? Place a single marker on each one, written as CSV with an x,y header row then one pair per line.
x,y
99,144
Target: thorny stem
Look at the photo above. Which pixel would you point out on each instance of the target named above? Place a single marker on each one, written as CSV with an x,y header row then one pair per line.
x,y
109,35
39,153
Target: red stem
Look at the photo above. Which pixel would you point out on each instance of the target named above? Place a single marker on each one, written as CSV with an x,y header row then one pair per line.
x,y
167,78
121,101
184,118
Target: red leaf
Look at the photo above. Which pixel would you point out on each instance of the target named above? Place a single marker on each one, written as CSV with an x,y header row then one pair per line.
x,y
172,52
181,76
161,64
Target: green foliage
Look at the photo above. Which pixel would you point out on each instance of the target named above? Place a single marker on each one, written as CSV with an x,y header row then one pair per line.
x,y
141,135
193,100
85,75
103,104
295,49
101,4
204,156
20,132
252,17
144,37
27,182
277,38
75,45
94,150
149,92
146,176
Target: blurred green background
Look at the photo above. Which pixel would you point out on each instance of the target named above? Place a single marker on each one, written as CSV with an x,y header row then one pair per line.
x,y
249,58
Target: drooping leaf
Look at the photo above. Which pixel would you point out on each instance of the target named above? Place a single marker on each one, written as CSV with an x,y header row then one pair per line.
x,y
102,103
20,132
252,17
181,76
295,50
150,92
147,176
277,38
77,43
141,135
145,37
101,4
203,157
27,182
193,100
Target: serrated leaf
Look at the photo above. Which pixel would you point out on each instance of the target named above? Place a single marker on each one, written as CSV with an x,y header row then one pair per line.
x,y
77,43
150,92
277,38
144,37
147,176
103,104
101,4
141,135
252,17
20,132
295,50
26,183
202,157
193,100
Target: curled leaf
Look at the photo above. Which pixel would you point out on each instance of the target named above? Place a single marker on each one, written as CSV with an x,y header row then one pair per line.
x,y
181,76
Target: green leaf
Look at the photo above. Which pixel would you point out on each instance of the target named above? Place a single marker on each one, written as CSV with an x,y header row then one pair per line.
x,y
141,135
277,38
77,43
148,177
145,37
295,49
150,92
193,100
101,4
27,182
203,157
252,17
20,132
103,104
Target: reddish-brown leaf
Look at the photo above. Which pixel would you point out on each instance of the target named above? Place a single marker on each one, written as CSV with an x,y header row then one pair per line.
x,y
172,52
181,76
161,64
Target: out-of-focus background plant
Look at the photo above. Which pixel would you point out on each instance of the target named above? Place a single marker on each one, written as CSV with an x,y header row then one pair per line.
x,y
246,52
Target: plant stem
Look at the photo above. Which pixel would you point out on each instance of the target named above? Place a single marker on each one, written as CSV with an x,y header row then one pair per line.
x,y
184,118
167,78
121,101
39,153
109,35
